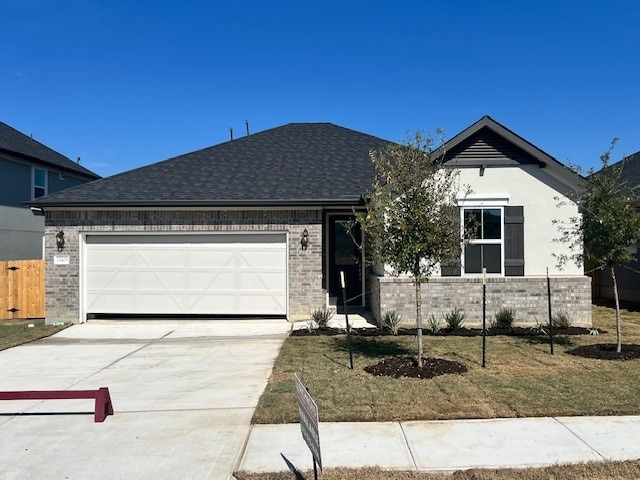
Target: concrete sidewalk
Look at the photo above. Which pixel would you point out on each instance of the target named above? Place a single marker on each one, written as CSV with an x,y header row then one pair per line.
x,y
447,445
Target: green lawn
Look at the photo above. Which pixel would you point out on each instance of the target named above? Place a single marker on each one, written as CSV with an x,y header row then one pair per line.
x,y
521,378
17,332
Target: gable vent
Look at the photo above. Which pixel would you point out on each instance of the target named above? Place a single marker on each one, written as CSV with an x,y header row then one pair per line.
x,y
487,148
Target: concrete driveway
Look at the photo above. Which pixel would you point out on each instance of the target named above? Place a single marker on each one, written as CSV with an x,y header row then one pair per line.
x,y
183,395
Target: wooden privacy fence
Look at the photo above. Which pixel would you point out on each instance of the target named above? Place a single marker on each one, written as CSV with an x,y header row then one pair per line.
x,y
22,289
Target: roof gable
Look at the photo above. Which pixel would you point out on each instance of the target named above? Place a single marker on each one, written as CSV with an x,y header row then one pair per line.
x,y
489,143
15,143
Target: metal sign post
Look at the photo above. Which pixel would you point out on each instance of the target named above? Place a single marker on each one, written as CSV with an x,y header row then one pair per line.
x,y
346,316
484,316
550,316
309,420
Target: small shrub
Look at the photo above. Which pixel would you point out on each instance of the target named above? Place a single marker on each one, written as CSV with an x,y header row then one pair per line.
x,y
504,318
541,328
322,316
433,324
454,319
391,321
561,320
311,325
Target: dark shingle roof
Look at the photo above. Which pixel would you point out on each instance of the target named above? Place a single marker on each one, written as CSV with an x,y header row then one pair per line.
x,y
295,164
18,144
630,174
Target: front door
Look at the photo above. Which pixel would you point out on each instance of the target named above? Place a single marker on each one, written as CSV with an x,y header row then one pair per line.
x,y
344,255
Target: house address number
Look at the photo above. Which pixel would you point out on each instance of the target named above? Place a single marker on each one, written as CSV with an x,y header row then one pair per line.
x,y
61,259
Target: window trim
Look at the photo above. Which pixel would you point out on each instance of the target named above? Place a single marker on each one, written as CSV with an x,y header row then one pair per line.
x,y
492,241
33,182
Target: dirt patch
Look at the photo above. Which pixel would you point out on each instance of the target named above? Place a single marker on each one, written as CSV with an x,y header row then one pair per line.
x,y
607,351
397,367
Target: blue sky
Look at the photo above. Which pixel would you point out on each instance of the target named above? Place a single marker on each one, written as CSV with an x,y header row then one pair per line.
x,y
127,83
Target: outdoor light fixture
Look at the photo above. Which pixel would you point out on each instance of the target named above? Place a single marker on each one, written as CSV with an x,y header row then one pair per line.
x,y
37,211
60,240
304,241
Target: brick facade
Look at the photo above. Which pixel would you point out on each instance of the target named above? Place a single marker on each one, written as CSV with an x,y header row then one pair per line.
x,y
528,295
62,281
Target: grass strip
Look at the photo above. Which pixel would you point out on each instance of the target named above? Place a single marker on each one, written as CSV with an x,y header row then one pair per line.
x,y
18,332
629,470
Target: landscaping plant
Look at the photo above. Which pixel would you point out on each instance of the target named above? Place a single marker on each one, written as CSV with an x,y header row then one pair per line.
x,y
504,318
391,321
322,316
412,221
608,225
454,319
561,320
433,324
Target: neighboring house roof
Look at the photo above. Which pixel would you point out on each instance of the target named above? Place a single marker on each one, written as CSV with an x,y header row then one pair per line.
x,y
18,144
489,143
630,173
295,164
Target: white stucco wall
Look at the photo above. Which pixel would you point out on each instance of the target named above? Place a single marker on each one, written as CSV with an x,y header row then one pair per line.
x,y
536,190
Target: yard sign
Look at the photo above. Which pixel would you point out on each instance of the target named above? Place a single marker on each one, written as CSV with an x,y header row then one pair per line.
x,y
309,420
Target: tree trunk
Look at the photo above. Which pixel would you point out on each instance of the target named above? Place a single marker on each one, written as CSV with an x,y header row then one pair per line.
x,y
419,320
615,295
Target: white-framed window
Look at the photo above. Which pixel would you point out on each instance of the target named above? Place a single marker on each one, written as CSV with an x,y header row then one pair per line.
x,y
38,182
486,249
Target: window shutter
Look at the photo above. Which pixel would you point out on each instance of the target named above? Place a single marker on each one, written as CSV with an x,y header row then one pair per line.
x,y
451,266
514,241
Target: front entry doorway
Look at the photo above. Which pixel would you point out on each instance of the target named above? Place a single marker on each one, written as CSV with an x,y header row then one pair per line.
x,y
344,255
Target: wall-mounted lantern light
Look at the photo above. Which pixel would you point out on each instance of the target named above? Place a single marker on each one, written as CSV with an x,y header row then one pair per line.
x,y
304,240
60,240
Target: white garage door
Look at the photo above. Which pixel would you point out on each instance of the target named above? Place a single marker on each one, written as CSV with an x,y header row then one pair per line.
x,y
224,274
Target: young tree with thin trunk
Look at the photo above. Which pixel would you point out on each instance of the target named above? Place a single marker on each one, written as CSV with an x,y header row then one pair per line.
x,y
609,225
412,222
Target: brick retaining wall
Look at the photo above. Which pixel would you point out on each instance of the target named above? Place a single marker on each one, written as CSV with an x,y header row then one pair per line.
x,y
528,295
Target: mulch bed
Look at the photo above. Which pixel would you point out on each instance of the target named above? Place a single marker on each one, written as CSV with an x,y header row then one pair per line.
x,y
397,367
607,351
458,332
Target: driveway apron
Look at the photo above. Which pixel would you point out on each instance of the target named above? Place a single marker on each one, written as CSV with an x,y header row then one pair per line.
x,y
183,395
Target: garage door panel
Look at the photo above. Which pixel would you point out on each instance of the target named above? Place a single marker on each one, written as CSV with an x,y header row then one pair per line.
x,y
151,302
221,257
108,279
214,304
260,281
110,302
160,280
109,256
211,280
186,274
262,258
169,257
263,304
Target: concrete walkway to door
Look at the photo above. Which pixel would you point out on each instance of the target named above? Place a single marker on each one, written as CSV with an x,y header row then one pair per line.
x,y
183,395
